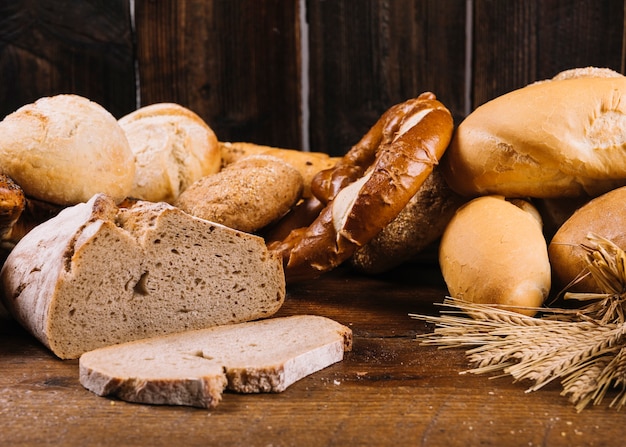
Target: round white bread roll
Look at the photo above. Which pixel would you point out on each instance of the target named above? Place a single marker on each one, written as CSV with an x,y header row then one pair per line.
x,y
559,138
64,149
493,252
173,148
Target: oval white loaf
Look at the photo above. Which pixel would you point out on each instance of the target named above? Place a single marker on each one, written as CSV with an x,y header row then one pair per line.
x,y
96,275
556,138
193,368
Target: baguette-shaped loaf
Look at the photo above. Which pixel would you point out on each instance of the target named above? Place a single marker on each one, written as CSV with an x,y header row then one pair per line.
x,y
193,368
97,275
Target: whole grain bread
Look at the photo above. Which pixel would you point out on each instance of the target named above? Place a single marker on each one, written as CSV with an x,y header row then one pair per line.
x,y
98,274
247,195
306,162
195,367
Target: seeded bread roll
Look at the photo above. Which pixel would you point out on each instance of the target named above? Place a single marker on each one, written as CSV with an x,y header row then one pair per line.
x,y
307,163
247,195
64,149
195,367
173,147
97,275
564,137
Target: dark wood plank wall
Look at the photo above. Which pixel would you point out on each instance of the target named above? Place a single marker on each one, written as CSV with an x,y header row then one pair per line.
x,y
239,63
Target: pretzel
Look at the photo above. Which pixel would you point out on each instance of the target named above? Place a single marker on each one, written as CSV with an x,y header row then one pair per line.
x,y
369,186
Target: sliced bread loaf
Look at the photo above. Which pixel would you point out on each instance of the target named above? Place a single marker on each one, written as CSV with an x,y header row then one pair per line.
x,y
194,368
98,274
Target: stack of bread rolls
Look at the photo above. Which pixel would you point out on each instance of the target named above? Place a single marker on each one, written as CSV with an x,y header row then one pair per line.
x,y
556,144
412,181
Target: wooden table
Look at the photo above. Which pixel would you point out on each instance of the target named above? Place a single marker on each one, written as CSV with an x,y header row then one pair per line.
x,y
389,390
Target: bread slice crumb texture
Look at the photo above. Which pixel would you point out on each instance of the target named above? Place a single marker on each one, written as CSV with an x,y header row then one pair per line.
x,y
195,367
113,275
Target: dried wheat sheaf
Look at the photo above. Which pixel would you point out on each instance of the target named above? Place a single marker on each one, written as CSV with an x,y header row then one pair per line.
x,y
583,347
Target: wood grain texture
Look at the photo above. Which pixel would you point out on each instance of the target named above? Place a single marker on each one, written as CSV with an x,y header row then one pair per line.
x,y
62,46
516,43
389,390
364,60
235,63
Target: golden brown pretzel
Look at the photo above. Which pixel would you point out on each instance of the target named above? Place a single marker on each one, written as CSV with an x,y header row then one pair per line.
x,y
369,186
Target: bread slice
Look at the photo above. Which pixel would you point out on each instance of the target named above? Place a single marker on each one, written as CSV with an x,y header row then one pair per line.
x,y
195,367
98,274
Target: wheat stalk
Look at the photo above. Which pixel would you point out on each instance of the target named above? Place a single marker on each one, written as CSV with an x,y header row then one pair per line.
x,y
585,347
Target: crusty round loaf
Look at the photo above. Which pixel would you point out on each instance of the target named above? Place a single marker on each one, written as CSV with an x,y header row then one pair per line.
x,y
173,148
604,216
420,223
246,195
560,138
493,252
64,149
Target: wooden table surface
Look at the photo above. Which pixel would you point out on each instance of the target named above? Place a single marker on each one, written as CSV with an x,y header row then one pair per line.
x,y
389,390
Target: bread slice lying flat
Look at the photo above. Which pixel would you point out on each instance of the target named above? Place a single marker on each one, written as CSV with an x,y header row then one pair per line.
x,y
98,274
195,367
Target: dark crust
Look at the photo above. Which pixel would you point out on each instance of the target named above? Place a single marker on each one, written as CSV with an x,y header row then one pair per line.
x,y
399,165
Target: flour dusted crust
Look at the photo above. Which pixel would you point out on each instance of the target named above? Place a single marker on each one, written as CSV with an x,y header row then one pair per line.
x,y
64,149
559,138
173,147
98,274
195,367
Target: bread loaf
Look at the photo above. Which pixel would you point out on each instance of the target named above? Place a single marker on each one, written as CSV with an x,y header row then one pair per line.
x,y
64,149
604,216
173,147
307,163
96,275
560,138
193,368
247,195
494,252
